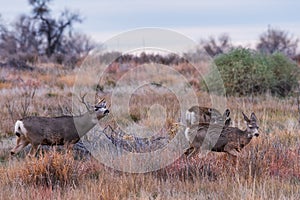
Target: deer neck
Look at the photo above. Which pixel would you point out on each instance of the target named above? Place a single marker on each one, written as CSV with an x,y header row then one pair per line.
x,y
85,122
247,139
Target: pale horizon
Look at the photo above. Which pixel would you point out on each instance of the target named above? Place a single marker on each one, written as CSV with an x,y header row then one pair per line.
x,y
243,21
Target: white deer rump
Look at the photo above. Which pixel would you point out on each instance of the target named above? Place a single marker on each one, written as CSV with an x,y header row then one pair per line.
x,y
190,117
20,128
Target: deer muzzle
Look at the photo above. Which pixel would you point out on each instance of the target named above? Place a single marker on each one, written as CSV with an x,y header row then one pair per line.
x,y
106,112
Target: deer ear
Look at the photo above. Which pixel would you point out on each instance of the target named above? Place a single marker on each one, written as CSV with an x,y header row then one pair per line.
x,y
245,117
253,117
227,121
226,113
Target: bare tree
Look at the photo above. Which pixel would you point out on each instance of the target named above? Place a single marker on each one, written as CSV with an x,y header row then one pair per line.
x,y
50,28
78,45
7,43
19,43
41,34
26,35
217,46
74,49
276,40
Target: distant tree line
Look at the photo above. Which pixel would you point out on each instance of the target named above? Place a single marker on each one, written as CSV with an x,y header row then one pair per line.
x,y
39,35
117,57
272,41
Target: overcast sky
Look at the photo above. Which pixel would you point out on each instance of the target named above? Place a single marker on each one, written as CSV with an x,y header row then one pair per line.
x,y
244,20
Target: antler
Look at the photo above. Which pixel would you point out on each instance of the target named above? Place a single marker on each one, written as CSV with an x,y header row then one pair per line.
x,y
100,101
82,100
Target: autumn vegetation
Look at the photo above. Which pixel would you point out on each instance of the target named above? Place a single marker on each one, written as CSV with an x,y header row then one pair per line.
x,y
37,76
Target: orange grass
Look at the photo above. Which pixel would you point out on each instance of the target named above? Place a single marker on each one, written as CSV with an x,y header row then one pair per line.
x,y
268,168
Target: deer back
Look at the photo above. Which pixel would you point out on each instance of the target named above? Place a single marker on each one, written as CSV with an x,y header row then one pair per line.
x,y
205,132
198,114
46,130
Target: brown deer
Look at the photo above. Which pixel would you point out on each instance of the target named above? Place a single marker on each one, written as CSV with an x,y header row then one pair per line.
x,y
63,130
198,115
231,140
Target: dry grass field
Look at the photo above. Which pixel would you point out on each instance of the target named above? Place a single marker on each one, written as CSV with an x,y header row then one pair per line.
x,y
268,168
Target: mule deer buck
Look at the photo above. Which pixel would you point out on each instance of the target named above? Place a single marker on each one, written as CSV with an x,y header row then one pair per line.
x,y
198,115
231,140
63,130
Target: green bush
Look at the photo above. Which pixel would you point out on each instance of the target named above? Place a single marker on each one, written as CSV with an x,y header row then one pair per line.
x,y
246,72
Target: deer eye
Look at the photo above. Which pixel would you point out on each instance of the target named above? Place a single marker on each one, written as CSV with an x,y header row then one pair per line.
x,y
103,105
97,107
253,127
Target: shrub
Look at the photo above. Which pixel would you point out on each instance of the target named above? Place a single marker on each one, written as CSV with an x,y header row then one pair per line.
x,y
285,74
50,170
246,72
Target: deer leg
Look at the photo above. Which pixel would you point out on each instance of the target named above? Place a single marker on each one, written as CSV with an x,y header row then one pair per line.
x,y
189,152
21,143
230,149
235,159
237,163
233,152
70,147
33,150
